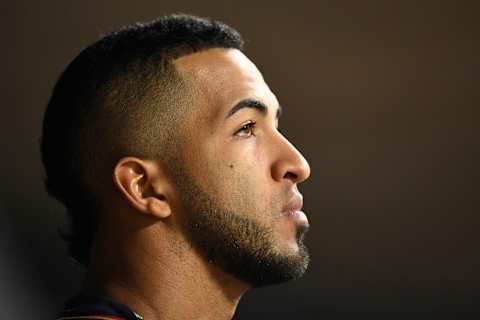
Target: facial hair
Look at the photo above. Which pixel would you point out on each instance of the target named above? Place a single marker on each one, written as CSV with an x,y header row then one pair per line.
x,y
239,245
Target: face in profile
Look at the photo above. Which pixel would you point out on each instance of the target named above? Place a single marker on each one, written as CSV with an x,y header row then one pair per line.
x,y
237,175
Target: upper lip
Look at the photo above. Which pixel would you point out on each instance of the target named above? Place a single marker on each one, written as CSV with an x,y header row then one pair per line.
x,y
294,204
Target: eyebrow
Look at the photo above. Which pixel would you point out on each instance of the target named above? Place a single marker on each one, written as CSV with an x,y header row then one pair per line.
x,y
253,104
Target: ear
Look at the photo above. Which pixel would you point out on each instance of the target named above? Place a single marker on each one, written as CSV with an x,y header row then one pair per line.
x,y
145,185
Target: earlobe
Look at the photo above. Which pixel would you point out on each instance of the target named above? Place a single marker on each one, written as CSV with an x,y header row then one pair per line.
x,y
143,185
160,208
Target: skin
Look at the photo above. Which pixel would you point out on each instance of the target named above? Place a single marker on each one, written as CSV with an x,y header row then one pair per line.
x,y
143,255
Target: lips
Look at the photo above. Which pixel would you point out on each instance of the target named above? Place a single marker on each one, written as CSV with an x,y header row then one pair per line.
x,y
292,210
295,204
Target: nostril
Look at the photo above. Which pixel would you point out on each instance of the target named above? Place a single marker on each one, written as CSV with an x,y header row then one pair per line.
x,y
290,175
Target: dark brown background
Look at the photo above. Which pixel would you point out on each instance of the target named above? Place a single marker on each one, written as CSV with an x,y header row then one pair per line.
x,y
380,96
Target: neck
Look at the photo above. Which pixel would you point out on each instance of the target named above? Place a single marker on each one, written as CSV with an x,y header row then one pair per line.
x,y
168,280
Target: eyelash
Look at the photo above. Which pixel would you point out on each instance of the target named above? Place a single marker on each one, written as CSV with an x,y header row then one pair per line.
x,y
249,126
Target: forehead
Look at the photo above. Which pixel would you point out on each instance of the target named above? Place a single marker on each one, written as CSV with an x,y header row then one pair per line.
x,y
222,77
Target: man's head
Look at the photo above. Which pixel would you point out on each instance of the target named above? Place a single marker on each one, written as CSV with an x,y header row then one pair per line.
x,y
175,118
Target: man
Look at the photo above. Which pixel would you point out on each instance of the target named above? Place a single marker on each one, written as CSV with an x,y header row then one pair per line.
x,y
162,141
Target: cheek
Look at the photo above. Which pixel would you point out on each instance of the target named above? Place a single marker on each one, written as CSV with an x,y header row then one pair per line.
x,y
248,190
236,174
246,160
247,156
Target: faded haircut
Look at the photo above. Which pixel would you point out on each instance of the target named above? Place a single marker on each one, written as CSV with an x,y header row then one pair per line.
x,y
121,96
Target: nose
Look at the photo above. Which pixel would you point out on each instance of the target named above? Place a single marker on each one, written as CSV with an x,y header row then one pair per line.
x,y
290,163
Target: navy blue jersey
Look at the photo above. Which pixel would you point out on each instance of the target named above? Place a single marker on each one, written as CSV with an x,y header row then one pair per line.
x,y
87,306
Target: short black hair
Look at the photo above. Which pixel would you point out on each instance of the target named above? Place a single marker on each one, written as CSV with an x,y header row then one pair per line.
x,y
120,96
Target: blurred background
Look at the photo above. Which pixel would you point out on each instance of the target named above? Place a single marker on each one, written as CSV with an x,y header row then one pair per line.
x,y
381,97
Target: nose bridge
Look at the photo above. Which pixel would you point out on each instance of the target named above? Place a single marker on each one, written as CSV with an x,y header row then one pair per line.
x,y
290,163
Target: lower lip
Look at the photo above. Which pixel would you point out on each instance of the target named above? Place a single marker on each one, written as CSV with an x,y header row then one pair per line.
x,y
298,216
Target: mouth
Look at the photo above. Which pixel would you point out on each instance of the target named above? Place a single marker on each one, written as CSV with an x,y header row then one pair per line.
x,y
293,210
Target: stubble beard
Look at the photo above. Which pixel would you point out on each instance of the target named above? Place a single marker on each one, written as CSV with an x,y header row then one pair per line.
x,y
238,245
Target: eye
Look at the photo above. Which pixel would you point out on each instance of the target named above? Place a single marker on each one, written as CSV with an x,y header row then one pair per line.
x,y
246,130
